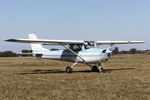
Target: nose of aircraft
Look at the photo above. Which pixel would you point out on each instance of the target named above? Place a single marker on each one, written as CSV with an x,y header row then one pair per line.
x,y
108,54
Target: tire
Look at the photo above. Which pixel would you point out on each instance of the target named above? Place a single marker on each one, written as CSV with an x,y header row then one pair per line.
x,y
94,69
68,69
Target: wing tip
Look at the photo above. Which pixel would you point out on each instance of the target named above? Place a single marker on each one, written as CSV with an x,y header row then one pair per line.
x,y
136,42
11,40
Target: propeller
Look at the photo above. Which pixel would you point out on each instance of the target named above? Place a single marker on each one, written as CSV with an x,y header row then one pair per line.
x,y
108,52
111,47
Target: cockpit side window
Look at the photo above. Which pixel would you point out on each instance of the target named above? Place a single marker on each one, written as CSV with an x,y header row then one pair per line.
x,y
75,47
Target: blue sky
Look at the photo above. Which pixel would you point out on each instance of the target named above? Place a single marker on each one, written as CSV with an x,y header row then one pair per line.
x,y
75,19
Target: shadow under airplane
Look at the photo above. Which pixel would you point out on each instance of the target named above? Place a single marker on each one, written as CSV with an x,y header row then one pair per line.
x,y
54,71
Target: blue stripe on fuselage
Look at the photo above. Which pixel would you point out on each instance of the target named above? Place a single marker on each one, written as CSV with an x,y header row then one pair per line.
x,y
64,51
72,55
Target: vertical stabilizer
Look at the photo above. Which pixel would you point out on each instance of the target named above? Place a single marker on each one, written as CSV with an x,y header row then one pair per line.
x,y
36,47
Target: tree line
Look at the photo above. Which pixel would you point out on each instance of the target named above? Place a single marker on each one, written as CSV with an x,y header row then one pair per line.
x,y
13,54
114,52
131,51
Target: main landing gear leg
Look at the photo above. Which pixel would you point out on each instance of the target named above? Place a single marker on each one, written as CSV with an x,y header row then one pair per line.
x,y
69,68
100,67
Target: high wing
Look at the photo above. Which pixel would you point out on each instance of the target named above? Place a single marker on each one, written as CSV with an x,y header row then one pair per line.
x,y
44,41
66,42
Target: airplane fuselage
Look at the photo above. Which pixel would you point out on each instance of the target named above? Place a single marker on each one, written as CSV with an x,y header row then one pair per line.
x,y
92,55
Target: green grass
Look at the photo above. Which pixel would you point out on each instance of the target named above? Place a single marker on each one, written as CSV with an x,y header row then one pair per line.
x,y
126,77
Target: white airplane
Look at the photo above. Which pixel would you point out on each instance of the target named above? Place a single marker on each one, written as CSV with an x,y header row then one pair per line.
x,y
77,51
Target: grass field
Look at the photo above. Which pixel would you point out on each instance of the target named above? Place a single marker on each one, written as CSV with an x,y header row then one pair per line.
x,y
126,77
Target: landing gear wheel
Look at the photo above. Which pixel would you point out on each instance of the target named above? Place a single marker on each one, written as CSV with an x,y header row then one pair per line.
x,y
68,69
94,69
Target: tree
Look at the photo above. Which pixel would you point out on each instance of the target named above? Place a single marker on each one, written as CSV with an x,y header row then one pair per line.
x,y
147,52
8,54
133,51
115,51
124,52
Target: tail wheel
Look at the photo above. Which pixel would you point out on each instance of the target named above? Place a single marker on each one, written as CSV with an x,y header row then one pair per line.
x,y
68,69
94,69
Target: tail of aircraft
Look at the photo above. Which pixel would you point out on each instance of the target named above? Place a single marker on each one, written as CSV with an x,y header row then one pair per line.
x,y
36,47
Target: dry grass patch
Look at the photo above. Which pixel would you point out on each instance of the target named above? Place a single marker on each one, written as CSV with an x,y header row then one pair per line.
x,y
126,77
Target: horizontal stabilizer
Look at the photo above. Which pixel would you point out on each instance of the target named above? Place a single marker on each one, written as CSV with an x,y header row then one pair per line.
x,y
31,54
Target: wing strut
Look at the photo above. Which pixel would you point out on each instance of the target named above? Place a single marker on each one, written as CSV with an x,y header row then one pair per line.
x,y
73,52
